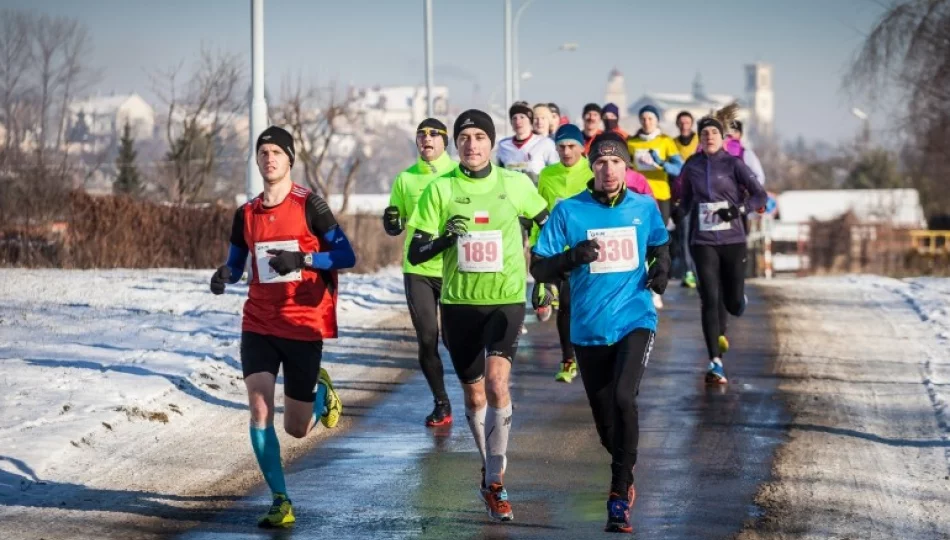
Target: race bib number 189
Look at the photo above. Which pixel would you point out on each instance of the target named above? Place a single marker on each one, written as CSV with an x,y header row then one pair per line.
x,y
618,250
480,251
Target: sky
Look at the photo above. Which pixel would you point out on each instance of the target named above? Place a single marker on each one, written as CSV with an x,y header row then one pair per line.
x,y
658,46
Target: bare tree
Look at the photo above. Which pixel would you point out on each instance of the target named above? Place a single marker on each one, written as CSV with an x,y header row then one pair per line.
x,y
327,130
74,75
199,121
16,55
908,53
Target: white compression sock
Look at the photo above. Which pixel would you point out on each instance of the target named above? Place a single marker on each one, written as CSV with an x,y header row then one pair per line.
x,y
497,429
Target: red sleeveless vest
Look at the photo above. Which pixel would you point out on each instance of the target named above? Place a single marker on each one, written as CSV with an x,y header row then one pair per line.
x,y
303,309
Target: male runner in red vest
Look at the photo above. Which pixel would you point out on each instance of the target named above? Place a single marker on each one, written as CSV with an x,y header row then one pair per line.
x,y
296,248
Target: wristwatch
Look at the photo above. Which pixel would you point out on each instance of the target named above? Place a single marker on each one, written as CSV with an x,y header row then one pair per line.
x,y
308,259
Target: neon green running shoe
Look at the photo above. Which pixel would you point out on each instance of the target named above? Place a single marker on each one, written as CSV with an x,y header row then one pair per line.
x,y
334,407
568,371
280,515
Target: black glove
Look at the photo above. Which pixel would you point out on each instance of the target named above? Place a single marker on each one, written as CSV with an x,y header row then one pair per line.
x,y
658,278
285,262
728,214
220,279
585,252
392,223
456,226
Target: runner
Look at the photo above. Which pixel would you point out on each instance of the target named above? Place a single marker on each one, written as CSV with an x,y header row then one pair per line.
x,y
593,124
471,214
686,143
525,152
557,119
558,182
296,247
717,190
617,253
423,283
735,147
611,116
655,155
543,120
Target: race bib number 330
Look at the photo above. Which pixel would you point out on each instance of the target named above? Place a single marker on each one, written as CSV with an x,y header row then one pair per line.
x,y
480,251
618,250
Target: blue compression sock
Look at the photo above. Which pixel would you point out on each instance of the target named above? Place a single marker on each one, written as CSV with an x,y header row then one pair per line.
x,y
267,449
319,402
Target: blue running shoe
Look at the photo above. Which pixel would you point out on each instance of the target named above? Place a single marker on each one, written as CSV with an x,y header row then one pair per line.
x,y
618,514
716,374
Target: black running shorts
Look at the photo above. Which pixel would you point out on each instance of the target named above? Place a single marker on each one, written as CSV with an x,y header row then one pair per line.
x,y
301,360
473,333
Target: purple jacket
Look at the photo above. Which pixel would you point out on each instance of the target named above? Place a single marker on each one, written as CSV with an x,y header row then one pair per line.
x,y
713,181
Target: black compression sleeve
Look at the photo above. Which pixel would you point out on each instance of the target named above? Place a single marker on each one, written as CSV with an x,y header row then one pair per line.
x,y
550,269
423,247
237,229
319,217
660,255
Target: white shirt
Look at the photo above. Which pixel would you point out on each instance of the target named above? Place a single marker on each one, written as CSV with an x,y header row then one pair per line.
x,y
535,154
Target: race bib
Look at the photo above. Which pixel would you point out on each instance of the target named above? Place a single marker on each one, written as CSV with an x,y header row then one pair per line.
x,y
266,274
480,251
618,250
643,160
709,221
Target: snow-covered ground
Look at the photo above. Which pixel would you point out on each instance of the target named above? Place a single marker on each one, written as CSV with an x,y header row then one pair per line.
x,y
929,298
99,366
863,363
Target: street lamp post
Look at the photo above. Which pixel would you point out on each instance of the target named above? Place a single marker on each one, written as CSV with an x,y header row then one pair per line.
x,y
509,88
430,101
254,183
516,89
865,126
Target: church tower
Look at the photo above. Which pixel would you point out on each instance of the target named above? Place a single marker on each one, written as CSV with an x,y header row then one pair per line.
x,y
616,92
760,100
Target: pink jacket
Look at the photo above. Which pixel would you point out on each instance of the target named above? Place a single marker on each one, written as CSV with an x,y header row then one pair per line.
x,y
637,183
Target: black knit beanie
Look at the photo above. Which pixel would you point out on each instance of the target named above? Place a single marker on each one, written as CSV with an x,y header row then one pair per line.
x,y
279,136
477,119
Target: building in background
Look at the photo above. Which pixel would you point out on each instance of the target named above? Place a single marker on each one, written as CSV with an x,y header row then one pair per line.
x,y
96,123
757,107
400,105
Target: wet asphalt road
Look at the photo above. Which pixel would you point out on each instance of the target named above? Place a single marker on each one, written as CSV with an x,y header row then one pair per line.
x,y
703,452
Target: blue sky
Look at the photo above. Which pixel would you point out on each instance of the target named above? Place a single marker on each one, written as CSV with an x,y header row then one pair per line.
x,y
659,46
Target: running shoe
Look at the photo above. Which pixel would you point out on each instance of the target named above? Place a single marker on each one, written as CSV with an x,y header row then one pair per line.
x,y
441,414
716,374
723,344
333,406
496,502
545,301
618,514
689,280
280,515
568,371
